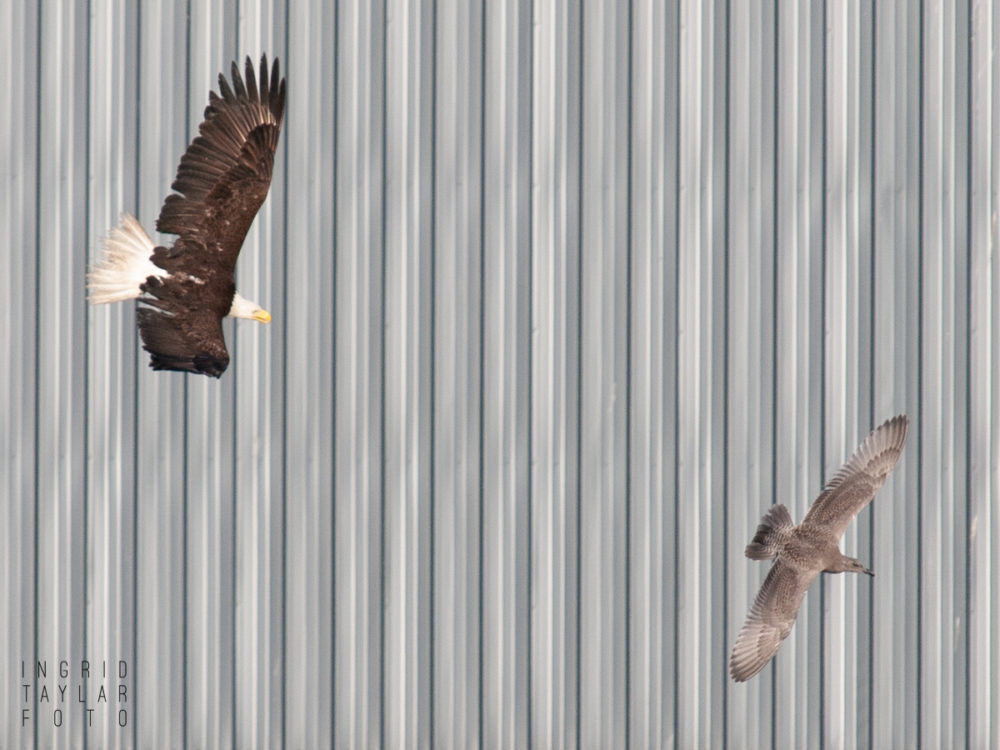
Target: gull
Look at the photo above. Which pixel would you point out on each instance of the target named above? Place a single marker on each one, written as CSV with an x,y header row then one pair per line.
x,y
802,552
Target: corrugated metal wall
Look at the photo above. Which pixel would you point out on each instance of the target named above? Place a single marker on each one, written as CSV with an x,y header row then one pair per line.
x,y
565,296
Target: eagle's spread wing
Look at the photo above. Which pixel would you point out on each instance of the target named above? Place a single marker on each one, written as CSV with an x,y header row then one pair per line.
x,y
854,486
221,183
225,173
770,620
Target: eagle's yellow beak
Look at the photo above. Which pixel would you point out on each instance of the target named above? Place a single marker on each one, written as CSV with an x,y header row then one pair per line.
x,y
263,316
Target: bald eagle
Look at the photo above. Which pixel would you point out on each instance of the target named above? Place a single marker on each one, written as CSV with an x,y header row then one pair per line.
x,y
184,291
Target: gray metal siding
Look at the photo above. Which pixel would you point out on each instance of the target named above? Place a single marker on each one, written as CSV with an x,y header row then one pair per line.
x,y
565,295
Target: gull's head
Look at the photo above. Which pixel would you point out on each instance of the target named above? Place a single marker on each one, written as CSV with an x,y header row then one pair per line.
x,y
244,308
852,565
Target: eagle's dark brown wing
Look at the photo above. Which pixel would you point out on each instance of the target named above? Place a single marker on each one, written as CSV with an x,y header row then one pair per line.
x,y
770,620
854,486
225,173
191,342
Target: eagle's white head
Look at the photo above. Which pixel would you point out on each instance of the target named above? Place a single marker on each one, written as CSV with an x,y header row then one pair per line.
x,y
244,308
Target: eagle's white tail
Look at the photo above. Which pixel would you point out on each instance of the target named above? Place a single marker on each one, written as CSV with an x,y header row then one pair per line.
x,y
124,264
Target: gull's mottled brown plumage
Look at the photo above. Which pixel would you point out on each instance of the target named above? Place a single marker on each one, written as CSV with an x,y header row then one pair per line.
x,y
802,552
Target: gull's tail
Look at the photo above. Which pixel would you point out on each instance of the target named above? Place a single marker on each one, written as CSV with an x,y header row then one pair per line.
x,y
773,526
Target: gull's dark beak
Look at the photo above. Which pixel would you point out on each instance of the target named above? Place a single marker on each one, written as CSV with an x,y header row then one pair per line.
x,y
869,572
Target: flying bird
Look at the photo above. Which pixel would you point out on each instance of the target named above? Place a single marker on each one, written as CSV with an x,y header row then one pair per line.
x,y
802,552
184,291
